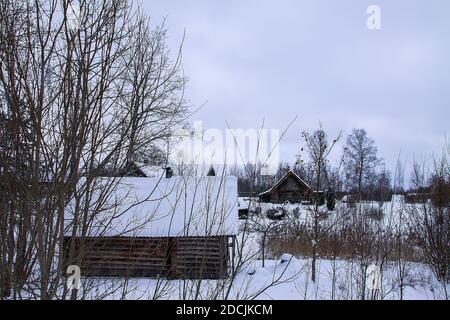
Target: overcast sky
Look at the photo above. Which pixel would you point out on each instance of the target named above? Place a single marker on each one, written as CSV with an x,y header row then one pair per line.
x,y
315,59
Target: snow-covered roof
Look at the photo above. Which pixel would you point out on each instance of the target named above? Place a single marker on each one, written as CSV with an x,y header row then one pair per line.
x,y
159,207
151,171
281,180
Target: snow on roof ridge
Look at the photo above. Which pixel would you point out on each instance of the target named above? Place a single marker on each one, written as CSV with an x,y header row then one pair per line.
x,y
281,179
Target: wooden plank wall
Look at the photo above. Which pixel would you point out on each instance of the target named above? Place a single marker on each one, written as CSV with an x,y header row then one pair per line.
x,y
127,257
175,258
200,258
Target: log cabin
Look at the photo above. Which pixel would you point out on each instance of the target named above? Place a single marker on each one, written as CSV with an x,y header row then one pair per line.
x,y
176,228
289,188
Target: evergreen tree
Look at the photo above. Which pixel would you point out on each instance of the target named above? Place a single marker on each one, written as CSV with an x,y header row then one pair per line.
x,y
211,172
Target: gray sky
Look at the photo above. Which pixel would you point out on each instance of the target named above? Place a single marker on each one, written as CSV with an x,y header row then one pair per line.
x,y
315,59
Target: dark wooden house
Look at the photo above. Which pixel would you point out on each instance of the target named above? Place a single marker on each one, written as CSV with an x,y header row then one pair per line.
x,y
289,188
174,232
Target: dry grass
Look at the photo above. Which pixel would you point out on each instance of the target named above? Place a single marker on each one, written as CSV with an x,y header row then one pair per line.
x,y
343,245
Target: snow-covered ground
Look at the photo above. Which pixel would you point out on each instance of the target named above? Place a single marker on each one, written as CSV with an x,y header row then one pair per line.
x,y
285,277
394,213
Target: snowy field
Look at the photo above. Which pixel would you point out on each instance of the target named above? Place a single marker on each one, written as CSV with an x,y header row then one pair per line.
x,y
334,281
285,277
391,209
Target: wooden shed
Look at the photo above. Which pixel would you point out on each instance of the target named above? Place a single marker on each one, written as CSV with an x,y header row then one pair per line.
x,y
289,188
179,228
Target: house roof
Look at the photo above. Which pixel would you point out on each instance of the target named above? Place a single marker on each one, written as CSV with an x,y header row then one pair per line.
x,y
289,173
160,207
151,171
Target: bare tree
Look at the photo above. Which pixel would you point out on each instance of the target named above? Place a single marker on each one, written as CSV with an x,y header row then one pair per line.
x,y
360,159
75,98
318,149
430,219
